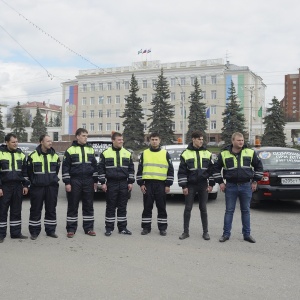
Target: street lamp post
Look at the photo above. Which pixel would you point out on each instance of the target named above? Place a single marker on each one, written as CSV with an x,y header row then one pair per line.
x,y
182,97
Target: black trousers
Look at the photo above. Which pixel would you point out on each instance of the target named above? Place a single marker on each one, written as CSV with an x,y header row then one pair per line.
x,y
155,193
12,198
116,198
39,195
189,201
81,189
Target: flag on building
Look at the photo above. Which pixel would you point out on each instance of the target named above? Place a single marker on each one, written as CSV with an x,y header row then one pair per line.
x,y
259,113
140,51
149,51
208,113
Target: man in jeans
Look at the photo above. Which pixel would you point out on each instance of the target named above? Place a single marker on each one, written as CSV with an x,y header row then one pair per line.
x,y
241,169
194,171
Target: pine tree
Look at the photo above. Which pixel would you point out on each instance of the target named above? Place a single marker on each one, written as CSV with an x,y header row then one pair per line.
x,y
51,122
2,133
133,114
162,111
274,126
18,125
57,120
38,125
234,119
197,115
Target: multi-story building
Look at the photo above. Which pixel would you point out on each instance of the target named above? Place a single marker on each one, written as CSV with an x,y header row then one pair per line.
x,y
96,99
291,101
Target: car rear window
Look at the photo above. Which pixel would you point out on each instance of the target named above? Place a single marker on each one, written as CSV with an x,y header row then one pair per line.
x,y
281,159
175,153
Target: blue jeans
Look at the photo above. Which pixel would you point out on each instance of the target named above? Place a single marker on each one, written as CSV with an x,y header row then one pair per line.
x,y
244,193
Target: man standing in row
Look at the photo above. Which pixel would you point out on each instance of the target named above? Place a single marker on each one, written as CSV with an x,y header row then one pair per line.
x,y
155,175
80,175
116,175
13,184
43,166
195,169
241,169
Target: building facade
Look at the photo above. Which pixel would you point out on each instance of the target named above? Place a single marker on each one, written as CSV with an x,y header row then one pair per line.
x,y
97,98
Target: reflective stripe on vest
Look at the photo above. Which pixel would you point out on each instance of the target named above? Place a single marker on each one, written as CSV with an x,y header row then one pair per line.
x,y
36,158
110,153
244,153
7,156
155,165
191,154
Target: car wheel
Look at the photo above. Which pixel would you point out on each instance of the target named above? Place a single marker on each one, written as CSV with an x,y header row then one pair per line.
x,y
212,196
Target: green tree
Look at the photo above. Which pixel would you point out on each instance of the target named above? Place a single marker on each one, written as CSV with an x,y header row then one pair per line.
x,y
197,115
162,111
2,133
51,122
133,115
234,119
18,124
57,120
274,126
38,125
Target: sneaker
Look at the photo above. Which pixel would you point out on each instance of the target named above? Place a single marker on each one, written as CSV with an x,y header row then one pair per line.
x,y
19,236
223,238
163,232
249,239
1,240
33,237
206,236
53,235
184,236
91,233
145,231
107,233
125,231
70,234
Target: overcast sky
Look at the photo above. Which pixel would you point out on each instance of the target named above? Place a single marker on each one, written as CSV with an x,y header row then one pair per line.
x,y
264,35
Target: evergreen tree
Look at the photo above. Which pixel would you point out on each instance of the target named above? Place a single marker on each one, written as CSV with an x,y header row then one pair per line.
x,y
18,125
57,120
133,114
38,126
2,133
234,119
51,122
197,115
274,126
162,111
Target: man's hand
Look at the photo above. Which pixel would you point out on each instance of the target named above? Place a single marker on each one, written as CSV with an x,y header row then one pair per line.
x,y
167,189
25,190
143,189
104,187
130,186
185,191
68,188
222,187
209,188
1,192
254,186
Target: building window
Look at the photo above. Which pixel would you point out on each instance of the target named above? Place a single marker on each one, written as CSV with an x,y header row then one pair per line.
x,y
83,102
118,113
100,114
92,127
92,100
192,80
118,86
203,79
294,87
182,80
117,99
213,124
213,110
84,87
84,114
145,126
126,85
173,126
173,81
144,84
214,79
214,94
108,127
92,87
100,86
125,98
100,127
108,113
182,96
173,96
100,100
154,83
108,100
92,114
144,97
84,125
203,94
118,127
294,82
109,86
55,136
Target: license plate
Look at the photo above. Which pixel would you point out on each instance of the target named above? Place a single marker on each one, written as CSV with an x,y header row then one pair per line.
x,y
290,180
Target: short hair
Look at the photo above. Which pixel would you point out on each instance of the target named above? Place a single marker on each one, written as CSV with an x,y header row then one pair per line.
x,y
79,131
116,134
197,134
9,136
236,134
154,134
41,138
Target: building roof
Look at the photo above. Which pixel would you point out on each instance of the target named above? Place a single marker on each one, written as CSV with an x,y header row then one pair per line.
x,y
43,105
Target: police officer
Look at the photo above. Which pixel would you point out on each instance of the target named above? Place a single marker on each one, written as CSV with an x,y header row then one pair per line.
x,y
155,175
195,169
13,184
80,175
241,169
116,174
43,166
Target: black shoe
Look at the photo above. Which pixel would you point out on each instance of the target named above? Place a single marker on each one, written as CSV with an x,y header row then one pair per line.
x,y
108,233
223,238
53,235
1,240
33,237
249,239
206,236
145,231
19,236
163,232
184,236
125,231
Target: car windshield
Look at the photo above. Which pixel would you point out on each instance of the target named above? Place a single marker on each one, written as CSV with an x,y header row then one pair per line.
x,y
280,159
175,153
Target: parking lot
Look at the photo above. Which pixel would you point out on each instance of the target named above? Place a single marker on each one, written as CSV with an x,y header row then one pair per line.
x,y
156,267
